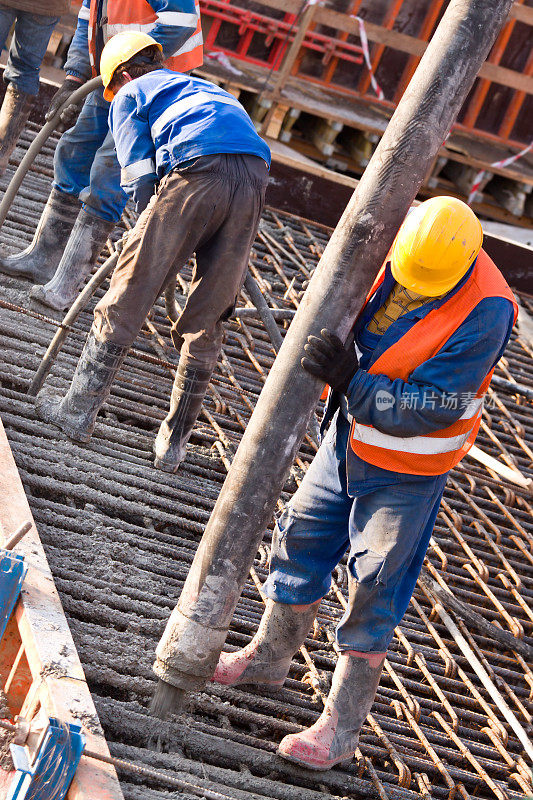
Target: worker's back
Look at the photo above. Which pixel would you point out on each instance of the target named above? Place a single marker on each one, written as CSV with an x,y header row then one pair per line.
x,y
187,117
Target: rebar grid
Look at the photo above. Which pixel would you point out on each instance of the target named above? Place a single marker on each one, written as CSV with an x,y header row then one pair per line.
x,y
120,537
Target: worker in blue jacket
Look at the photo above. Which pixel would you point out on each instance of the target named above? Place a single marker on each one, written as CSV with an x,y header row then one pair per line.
x,y
68,240
193,163
405,405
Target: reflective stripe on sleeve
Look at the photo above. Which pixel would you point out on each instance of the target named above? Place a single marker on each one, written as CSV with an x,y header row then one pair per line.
x,y
192,42
422,445
119,27
136,170
181,106
473,408
178,19
84,13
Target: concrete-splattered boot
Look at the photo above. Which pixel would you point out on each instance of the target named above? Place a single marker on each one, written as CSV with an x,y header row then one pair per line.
x,y
13,116
267,659
75,414
335,735
188,392
85,244
39,261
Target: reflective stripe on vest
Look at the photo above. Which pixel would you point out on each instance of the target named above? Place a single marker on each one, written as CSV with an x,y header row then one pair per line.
x,y
138,15
433,453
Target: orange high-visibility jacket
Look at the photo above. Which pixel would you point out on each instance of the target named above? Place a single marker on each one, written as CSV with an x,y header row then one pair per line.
x,y
432,453
138,15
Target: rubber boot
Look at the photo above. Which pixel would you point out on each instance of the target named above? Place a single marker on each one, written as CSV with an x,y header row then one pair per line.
x,y
267,659
188,392
335,735
39,261
13,116
75,414
85,244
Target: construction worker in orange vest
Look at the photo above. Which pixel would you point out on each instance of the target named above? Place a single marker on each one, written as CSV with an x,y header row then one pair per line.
x,y
405,405
69,239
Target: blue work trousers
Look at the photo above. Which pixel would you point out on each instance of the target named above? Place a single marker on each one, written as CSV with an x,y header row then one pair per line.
x,y
86,164
28,46
386,523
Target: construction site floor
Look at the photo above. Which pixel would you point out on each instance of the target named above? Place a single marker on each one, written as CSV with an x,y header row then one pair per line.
x,y
120,536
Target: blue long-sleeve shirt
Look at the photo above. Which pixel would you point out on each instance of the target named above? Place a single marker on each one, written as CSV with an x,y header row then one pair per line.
x,y
439,390
164,119
176,22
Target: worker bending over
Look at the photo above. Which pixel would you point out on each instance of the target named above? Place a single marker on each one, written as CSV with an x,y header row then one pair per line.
x,y
405,405
197,145
69,239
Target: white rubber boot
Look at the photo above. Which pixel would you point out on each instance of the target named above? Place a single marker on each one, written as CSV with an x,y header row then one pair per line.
x,y
13,117
39,261
75,413
335,735
267,659
85,244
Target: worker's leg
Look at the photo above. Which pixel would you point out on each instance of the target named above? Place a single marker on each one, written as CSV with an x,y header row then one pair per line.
x,y
310,538
221,263
103,202
78,146
166,233
7,18
390,528
73,159
28,46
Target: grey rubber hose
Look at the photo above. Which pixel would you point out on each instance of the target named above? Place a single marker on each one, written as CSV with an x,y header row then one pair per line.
x,y
47,129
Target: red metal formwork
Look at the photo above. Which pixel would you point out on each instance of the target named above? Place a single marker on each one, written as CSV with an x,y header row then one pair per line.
x,y
259,36
499,106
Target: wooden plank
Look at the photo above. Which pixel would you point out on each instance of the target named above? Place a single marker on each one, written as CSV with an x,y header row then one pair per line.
x,y
48,644
417,47
292,53
410,44
507,77
522,13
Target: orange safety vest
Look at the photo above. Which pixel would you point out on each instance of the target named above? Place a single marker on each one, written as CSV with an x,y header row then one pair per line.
x,y
432,453
138,15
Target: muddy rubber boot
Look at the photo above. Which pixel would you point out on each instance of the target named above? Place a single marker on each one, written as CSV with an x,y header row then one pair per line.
x,y
267,659
85,244
75,414
39,261
13,116
335,735
188,392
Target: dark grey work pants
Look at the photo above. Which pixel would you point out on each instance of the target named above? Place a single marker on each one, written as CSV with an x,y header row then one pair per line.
x,y
211,208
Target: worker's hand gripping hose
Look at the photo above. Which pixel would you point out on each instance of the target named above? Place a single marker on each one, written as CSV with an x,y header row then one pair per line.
x,y
328,359
73,99
69,110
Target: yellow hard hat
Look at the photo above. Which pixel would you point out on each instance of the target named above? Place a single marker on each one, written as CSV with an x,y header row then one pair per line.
x,y
435,246
118,50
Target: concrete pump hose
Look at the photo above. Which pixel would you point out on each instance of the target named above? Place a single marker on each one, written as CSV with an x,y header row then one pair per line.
x,y
74,99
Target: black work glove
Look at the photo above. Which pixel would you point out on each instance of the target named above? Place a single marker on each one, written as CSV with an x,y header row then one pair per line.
x,y
328,359
70,114
143,194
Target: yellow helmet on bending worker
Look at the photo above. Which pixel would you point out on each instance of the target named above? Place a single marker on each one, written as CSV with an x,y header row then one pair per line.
x,y
437,243
120,49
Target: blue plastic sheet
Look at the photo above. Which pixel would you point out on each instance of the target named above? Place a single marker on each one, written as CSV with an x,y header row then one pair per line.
x,y
12,572
52,770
